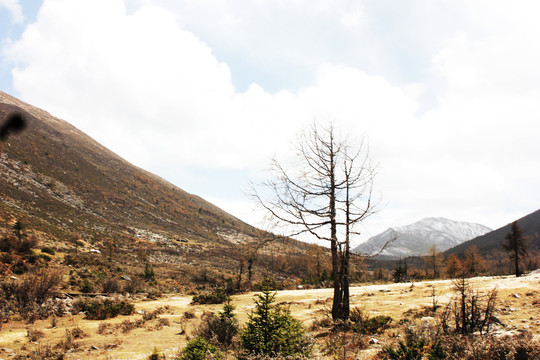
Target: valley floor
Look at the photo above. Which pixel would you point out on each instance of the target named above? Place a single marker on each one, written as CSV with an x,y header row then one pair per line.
x,y
518,308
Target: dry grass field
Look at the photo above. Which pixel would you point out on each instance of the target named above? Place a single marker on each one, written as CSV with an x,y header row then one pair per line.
x,y
129,337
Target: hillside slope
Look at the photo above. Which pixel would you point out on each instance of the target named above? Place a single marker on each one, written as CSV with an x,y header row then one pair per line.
x,y
491,242
54,171
70,190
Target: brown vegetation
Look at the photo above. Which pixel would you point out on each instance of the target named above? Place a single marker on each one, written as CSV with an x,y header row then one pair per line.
x,y
168,323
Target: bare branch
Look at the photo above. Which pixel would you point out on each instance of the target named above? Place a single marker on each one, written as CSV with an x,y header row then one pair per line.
x,y
326,194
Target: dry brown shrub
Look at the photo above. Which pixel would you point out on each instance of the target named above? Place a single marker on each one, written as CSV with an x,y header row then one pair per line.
x,y
34,335
106,329
69,343
161,322
77,332
469,310
189,314
515,347
164,322
33,296
324,322
322,301
128,325
42,352
149,315
344,345
112,286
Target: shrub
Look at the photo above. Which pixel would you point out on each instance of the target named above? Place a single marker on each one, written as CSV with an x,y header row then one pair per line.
x,y
374,325
470,347
44,257
27,244
34,334
8,243
106,329
32,296
43,352
128,325
418,341
344,345
112,285
472,311
149,273
163,322
198,349
21,245
48,250
215,297
76,333
149,315
86,287
271,330
363,324
156,355
189,314
132,287
323,322
407,351
96,309
221,329
422,341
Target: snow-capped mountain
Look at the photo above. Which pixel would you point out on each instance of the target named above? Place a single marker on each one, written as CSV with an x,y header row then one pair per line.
x,y
417,238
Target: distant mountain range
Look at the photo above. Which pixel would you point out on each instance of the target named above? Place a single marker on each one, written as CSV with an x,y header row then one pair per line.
x,y
416,239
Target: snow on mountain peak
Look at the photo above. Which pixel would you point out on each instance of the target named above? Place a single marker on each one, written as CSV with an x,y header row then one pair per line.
x,y
416,239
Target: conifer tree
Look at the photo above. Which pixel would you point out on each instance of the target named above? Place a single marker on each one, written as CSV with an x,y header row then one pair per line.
x,y
515,246
271,330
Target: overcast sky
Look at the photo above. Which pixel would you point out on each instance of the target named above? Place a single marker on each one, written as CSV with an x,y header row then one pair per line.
x,y
204,93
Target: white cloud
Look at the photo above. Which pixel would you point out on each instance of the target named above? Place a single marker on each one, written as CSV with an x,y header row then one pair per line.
x,y
354,18
14,9
142,81
148,77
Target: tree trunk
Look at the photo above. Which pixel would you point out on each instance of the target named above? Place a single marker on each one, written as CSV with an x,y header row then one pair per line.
x,y
516,262
240,272
337,305
345,286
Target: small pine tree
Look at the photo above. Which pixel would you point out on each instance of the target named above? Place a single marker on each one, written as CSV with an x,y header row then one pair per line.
x,y
156,355
86,286
198,349
17,228
149,273
220,330
271,330
400,273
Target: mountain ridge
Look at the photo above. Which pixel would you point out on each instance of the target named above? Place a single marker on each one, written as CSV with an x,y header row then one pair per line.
x,y
491,241
86,154
415,239
67,189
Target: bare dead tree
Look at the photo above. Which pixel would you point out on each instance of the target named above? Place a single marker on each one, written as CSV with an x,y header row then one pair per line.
x,y
469,310
327,193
